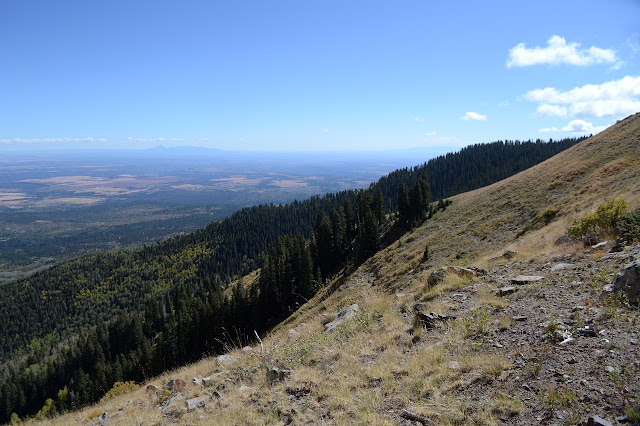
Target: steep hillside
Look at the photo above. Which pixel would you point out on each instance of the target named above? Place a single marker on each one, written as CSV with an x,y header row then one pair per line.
x,y
61,301
548,351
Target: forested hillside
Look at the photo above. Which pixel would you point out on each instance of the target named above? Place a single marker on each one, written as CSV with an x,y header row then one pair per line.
x,y
173,291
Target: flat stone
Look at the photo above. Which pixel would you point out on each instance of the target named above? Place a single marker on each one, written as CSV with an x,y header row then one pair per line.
x,y
599,245
609,369
526,279
200,401
519,318
506,290
597,421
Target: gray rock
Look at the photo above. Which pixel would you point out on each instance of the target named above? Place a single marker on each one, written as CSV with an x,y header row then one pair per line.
x,y
176,385
526,279
454,365
152,390
224,359
561,267
343,315
277,375
519,318
506,290
599,245
247,349
429,320
439,275
199,401
596,421
587,331
628,281
609,369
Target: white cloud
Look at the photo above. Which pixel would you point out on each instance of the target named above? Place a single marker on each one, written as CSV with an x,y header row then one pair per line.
x,y
617,99
581,126
474,116
548,129
160,139
325,130
50,140
552,110
444,139
419,119
431,133
557,52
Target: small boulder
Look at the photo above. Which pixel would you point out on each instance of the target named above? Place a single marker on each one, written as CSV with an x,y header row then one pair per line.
x,y
152,390
429,320
343,315
561,267
176,385
439,275
596,421
277,375
224,359
199,401
628,281
503,291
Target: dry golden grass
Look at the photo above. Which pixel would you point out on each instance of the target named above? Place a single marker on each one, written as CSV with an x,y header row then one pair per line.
x,y
371,367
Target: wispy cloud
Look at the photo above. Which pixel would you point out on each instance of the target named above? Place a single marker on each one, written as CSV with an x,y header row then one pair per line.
x,y
160,139
324,130
419,119
431,133
617,99
474,116
548,129
558,52
582,127
50,140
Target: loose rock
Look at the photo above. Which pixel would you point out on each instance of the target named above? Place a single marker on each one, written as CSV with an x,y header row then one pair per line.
x,y
439,275
200,401
277,375
343,315
224,359
627,281
525,279
176,385
506,290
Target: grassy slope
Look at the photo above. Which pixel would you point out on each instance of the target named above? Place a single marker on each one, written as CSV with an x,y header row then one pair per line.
x,y
369,368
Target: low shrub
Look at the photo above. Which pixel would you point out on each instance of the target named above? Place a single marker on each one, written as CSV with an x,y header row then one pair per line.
x,y
605,218
629,225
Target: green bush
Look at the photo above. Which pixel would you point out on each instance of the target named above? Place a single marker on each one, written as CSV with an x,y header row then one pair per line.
x,y
629,225
426,255
605,218
120,388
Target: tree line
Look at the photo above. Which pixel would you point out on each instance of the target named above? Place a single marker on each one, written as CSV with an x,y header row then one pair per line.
x,y
69,315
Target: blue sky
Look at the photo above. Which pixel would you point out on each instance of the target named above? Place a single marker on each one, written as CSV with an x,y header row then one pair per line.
x,y
313,75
